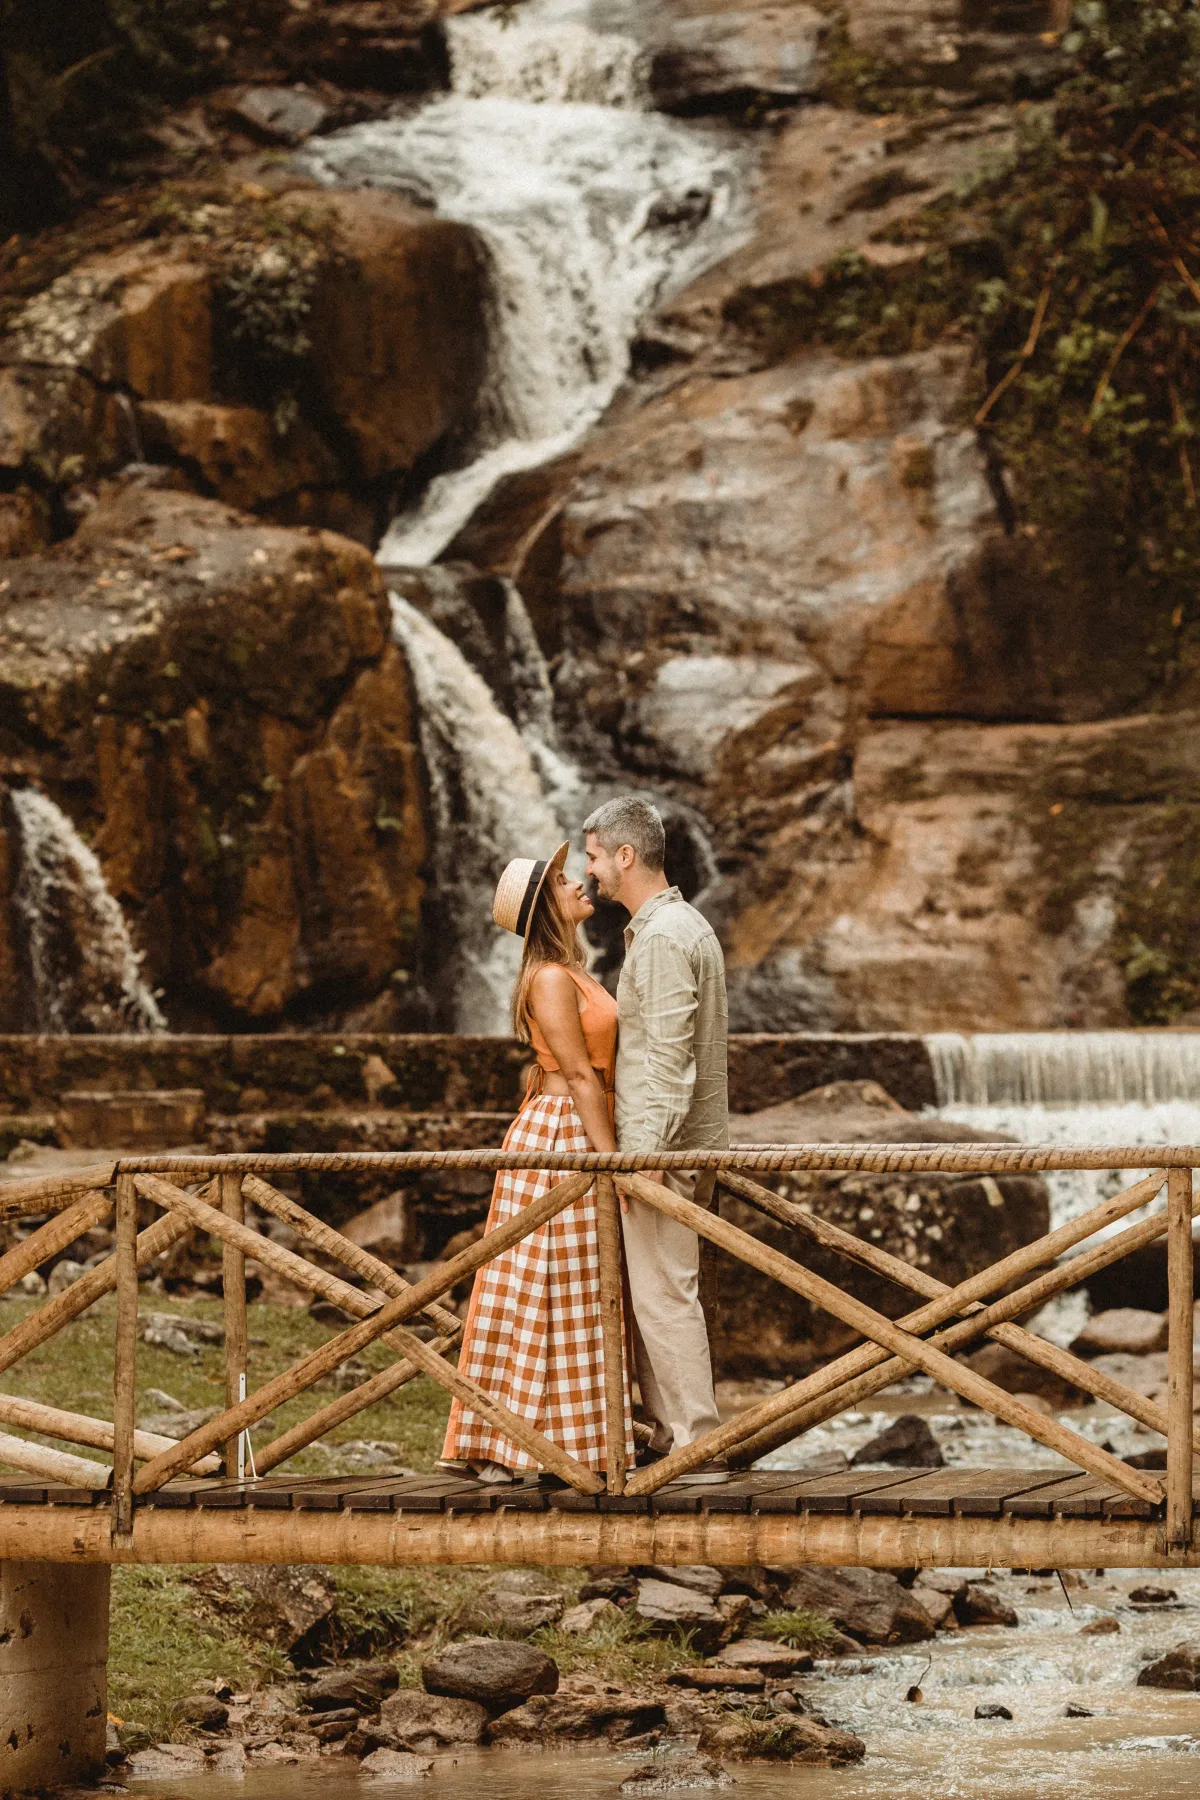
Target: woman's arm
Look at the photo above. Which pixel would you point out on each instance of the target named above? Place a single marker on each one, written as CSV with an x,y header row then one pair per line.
x,y
553,999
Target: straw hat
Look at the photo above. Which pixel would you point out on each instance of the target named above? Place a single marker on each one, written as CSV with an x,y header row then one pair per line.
x,y
518,889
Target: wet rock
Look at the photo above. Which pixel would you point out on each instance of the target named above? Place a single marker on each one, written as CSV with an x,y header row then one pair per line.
x,y
722,61
675,1774
363,1686
235,452
992,1709
783,1739
496,1674
283,1604
768,1658
940,1591
978,1605
1151,1598
1122,1329
578,1716
24,525
515,1604
578,1620
666,1607
396,1765
279,115
867,1603
205,1711
710,1680
229,1759
429,1722
166,1761
906,1444
1105,1627
1072,1711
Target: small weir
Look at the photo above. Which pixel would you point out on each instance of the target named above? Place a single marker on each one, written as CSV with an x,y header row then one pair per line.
x,y
1065,1068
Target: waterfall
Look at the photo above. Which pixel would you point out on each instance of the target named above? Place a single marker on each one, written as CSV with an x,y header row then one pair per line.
x,y
488,805
592,208
1065,1068
85,973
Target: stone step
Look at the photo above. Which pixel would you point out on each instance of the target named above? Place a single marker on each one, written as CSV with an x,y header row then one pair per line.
x,y
311,1131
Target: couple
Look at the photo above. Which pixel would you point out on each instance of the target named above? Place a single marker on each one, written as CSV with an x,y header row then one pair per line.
x,y
646,1071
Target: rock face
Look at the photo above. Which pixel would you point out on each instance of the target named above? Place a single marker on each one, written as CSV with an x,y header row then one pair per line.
x,y
949,1225
716,62
237,730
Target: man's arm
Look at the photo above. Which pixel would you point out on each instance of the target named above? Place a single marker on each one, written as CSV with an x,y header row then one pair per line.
x,y
667,992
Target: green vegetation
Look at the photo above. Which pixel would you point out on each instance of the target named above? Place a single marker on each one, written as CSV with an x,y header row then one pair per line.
x,y
1071,268
80,81
799,1629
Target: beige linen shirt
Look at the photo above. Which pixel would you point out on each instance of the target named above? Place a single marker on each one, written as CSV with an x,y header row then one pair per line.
x,y
672,1091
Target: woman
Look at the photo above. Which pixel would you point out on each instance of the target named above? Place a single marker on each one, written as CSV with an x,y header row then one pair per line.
x,y
533,1337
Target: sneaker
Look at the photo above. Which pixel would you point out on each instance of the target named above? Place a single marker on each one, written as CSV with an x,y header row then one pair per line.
x,y
706,1474
494,1474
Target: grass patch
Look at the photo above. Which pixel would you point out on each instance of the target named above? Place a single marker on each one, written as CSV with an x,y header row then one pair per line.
x,y
621,1650
162,1648
74,1370
798,1629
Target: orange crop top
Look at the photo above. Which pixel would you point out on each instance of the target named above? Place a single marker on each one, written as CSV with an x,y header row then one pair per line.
x,y
599,1021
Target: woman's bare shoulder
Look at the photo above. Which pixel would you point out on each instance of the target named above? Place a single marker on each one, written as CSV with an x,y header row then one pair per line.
x,y
551,980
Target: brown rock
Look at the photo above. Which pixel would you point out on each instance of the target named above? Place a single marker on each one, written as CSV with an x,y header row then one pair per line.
x,y
1011,1372
396,1765
676,1774
906,1444
514,1604
1106,1627
429,1722
783,1739
663,1606
725,59
282,1605
497,1675
764,1656
1179,1669
710,1680
867,1603
610,1716
235,452
1122,1330
362,1686
386,1229
578,1620
978,1605
24,523
398,315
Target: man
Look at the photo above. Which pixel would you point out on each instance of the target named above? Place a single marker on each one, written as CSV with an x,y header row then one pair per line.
x,y
671,1095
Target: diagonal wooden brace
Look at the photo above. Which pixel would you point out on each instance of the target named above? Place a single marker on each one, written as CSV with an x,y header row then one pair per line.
x,y
1034,1349
348,1343
52,1237
881,1331
780,1416
422,1356
327,1418
352,1256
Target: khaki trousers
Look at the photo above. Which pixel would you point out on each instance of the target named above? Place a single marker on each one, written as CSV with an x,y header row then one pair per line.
x,y
670,1337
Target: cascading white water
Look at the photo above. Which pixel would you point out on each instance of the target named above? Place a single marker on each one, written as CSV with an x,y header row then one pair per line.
x,y
1065,1068
85,974
592,210
488,806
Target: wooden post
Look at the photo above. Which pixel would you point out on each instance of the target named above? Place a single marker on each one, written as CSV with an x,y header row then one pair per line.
x,y
125,1358
608,1237
1179,1359
233,1282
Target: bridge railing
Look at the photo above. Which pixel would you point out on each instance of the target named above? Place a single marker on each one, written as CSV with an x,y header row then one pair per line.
x,y
931,1338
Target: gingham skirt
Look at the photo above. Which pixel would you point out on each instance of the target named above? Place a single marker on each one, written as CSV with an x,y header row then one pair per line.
x,y
533,1337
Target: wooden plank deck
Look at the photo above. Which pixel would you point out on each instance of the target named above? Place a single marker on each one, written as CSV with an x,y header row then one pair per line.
x,y
882,1517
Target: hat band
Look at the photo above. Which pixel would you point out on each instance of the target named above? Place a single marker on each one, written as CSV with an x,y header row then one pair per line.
x,y
531,889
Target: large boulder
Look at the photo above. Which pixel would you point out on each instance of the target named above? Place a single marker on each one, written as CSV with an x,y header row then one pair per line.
x,y
224,705
1178,1668
428,1722
783,1739
576,1716
720,61
868,1604
947,1225
495,1674
275,1603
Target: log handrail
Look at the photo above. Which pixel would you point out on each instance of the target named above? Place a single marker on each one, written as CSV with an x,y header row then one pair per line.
x,y
927,1338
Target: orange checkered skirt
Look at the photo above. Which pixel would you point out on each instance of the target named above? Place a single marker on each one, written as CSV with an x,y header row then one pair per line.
x,y
533,1336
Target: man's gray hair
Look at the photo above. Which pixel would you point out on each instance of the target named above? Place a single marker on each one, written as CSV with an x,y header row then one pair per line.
x,y
630,819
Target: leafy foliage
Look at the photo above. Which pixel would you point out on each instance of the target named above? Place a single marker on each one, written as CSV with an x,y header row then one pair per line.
x,y
799,1629
80,79
1072,269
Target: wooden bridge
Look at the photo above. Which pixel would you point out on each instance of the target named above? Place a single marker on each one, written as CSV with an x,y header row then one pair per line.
x,y
195,1500
202,1499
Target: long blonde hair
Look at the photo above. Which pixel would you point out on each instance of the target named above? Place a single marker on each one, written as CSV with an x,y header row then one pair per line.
x,y
551,939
